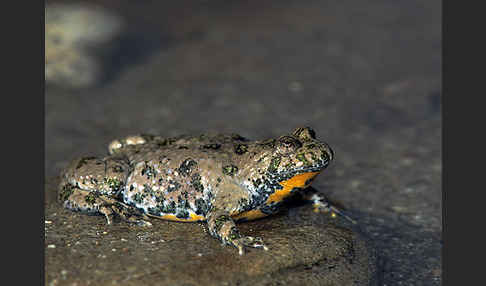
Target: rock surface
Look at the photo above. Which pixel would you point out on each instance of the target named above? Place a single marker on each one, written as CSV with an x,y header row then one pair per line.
x,y
305,249
366,75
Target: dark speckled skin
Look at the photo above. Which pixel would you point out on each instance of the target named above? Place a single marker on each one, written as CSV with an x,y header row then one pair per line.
x,y
218,178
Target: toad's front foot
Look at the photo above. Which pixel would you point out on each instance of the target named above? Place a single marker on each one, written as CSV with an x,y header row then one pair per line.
x,y
321,204
222,227
248,241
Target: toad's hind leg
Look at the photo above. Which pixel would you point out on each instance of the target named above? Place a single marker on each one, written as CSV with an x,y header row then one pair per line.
x,y
92,185
117,145
90,202
222,227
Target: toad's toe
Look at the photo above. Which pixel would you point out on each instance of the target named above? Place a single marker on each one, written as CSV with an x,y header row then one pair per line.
x,y
248,241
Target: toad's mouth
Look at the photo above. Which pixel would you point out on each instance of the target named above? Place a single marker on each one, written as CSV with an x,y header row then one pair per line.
x,y
281,176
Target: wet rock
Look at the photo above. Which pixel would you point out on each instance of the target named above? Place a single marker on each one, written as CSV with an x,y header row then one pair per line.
x,y
305,249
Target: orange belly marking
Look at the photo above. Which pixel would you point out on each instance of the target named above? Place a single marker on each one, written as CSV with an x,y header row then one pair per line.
x,y
297,181
249,215
192,217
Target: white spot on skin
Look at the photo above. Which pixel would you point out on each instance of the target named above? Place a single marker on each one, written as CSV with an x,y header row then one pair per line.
x,y
308,157
135,140
316,200
114,145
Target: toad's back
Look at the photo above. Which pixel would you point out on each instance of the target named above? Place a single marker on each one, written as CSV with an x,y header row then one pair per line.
x,y
177,178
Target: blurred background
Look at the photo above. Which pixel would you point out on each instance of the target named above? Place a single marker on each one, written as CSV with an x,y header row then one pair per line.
x,y
365,75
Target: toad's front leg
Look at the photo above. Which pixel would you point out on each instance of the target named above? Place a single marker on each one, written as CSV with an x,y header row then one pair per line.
x,y
322,204
222,227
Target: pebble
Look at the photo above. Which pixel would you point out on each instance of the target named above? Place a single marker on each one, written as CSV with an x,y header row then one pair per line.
x,y
69,30
399,209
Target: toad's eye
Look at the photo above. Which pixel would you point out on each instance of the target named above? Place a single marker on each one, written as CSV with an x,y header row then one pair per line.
x,y
287,144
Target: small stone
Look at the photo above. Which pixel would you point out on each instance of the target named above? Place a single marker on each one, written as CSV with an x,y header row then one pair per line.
x,y
69,29
295,86
399,209
355,184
